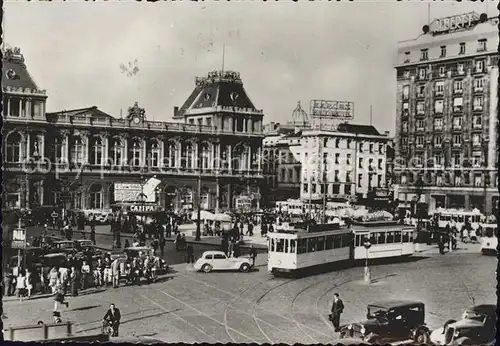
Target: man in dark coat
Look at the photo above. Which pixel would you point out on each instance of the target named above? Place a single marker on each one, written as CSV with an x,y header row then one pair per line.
x,y
113,315
337,310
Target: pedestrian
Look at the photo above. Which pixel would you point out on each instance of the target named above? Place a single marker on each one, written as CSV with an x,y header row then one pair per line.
x,y
29,282
263,229
85,274
127,244
154,245
92,236
162,246
441,245
7,282
21,284
64,277
253,255
337,310
189,254
236,250
115,269
168,229
52,279
225,246
98,273
59,295
107,271
74,282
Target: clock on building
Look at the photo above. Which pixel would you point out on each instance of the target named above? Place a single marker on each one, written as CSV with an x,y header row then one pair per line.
x,y
10,74
234,96
137,120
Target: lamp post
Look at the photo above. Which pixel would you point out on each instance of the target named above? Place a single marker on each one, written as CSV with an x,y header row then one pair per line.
x,y
368,277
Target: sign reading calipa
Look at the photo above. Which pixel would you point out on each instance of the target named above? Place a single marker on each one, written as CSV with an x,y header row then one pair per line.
x,y
454,23
332,109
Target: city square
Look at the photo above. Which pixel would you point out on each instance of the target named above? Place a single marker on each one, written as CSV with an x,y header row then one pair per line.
x,y
336,181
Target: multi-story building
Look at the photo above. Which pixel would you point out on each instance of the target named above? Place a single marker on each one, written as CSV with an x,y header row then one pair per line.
x,y
446,121
280,167
75,157
349,162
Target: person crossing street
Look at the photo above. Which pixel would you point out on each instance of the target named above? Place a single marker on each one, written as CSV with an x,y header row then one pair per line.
x,y
337,310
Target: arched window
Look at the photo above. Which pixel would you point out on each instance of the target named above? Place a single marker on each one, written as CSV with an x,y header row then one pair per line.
x,y
172,149
58,149
76,200
155,154
77,150
136,152
13,147
97,152
189,152
116,152
96,200
205,156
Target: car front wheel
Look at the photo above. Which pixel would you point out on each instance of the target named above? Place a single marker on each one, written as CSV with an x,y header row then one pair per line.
x,y
207,268
245,267
422,337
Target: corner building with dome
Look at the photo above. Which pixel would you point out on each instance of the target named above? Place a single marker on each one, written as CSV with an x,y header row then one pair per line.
x,y
75,159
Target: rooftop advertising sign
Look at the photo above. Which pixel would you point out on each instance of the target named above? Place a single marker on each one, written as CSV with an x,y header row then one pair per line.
x,y
343,110
454,23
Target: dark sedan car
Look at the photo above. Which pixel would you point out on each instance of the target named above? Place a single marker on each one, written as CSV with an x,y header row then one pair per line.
x,y
390,321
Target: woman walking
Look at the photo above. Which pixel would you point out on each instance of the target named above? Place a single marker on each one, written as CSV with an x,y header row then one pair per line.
x,y
29,282
59,295
53,278
20,285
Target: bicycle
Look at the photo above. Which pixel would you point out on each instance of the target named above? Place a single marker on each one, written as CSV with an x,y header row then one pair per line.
x,y
107,328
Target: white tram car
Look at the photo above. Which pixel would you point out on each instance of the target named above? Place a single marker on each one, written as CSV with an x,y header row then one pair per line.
x,y
295,249
489,238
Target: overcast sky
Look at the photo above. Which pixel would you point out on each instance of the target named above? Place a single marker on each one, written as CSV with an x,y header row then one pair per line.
x,y
285,52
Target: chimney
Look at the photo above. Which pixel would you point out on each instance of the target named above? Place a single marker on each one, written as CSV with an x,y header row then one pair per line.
x,y
387,133
176,110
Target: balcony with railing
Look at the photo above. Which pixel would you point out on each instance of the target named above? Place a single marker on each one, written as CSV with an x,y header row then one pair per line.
x,y
477,126
457,109
477,107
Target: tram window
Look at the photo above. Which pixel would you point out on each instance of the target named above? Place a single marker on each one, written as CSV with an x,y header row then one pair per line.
x,y
329,242
390,238
454,217
311,244
286,246
381,238
405,237
292,246
272,245
488,232
373,239
397,236
280,244
447,217
357,239
321,243
301,246
411,236
460,218
336,241
346,239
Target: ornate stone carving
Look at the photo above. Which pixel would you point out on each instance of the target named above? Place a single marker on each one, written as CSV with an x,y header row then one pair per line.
x,y
136,112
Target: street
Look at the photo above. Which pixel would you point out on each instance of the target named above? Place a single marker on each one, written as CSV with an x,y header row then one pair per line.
x,y
188,306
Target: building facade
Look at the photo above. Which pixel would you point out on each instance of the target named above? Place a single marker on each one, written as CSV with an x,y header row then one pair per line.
x,y
446,121
73,158
344,164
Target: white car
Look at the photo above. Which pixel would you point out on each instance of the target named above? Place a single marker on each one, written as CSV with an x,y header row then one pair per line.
x,y
217,260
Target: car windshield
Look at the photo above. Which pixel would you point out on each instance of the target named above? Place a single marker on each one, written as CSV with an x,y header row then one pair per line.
x,y
86,243
476,316
376,312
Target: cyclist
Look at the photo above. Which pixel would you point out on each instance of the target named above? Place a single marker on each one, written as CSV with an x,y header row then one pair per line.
x,y
113,318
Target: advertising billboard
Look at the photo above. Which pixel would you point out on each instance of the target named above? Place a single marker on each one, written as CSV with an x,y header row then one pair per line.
x,y
342,110
133,192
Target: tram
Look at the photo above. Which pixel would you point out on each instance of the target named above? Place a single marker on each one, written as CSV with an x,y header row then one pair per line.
x,y
489,238
295,249
458,217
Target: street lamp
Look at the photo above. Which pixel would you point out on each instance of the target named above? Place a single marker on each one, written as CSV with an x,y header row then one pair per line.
x,y
368,277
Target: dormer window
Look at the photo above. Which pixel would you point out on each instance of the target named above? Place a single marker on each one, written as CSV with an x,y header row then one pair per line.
x,y
462,48
407,57
424,54
443,52
207,96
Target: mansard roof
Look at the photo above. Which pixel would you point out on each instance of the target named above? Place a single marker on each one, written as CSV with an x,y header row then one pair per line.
x,y
219,90
14,71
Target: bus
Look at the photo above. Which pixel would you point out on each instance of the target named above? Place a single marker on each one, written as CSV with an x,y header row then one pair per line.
x,y
489,238
293,250
458,217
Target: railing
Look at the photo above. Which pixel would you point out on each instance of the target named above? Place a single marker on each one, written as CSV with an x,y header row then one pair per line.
x,y
24,91
75,120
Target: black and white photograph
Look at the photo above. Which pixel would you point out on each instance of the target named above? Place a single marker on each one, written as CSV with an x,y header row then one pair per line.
x,y
237,172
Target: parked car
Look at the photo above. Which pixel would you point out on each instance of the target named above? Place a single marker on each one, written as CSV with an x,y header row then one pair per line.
x,y
477,327
84,245
217,260
390,321
54,260
143,251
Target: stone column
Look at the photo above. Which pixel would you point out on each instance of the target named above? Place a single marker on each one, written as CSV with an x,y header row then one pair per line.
x,y
161,147
42,145
28,146
27,201
229,197
143,153
196,148
218,155
249,158
8,106
27,107
124,139
230,157
65,148
259,160
258,198
20,107
42,109
105,156
217,195
178,154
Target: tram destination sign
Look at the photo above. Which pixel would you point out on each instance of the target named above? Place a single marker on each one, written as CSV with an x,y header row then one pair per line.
x,y
342,110
454,23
